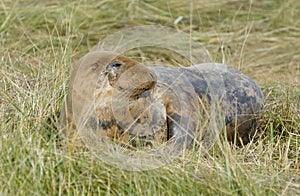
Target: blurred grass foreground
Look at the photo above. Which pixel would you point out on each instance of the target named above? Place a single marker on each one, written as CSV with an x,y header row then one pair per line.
x,y
40,41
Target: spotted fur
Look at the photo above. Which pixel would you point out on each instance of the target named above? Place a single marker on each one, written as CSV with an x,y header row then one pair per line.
x,y
134,104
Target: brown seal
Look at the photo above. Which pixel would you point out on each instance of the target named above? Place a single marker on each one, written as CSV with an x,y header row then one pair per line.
x,y
149,105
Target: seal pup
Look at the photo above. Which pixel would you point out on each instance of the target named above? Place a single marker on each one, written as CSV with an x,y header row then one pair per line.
x,y
134,103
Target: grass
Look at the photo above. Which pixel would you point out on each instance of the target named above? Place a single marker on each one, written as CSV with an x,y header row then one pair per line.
x,y
41,40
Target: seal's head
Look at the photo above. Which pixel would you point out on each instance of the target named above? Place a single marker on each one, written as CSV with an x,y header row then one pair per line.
x,y
130,76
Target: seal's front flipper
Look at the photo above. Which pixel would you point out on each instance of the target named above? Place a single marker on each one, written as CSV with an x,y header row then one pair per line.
x,y
180,134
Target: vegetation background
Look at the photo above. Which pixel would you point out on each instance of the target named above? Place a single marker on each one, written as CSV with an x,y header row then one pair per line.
x,y
40,40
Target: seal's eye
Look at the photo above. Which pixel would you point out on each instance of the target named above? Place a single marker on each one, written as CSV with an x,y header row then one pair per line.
x,y
115,64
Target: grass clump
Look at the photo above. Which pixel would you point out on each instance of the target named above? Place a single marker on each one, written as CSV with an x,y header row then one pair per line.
x,y
41,40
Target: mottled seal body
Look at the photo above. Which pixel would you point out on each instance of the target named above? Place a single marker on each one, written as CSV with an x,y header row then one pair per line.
x,y
239,97
155,104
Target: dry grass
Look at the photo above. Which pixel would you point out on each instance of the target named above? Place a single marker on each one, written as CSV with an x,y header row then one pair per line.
x,y
39,42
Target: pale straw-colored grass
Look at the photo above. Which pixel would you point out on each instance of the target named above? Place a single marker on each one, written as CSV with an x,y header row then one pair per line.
x,y
41,40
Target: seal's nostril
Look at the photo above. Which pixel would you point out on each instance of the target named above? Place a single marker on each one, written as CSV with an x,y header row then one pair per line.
x,y
153,77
